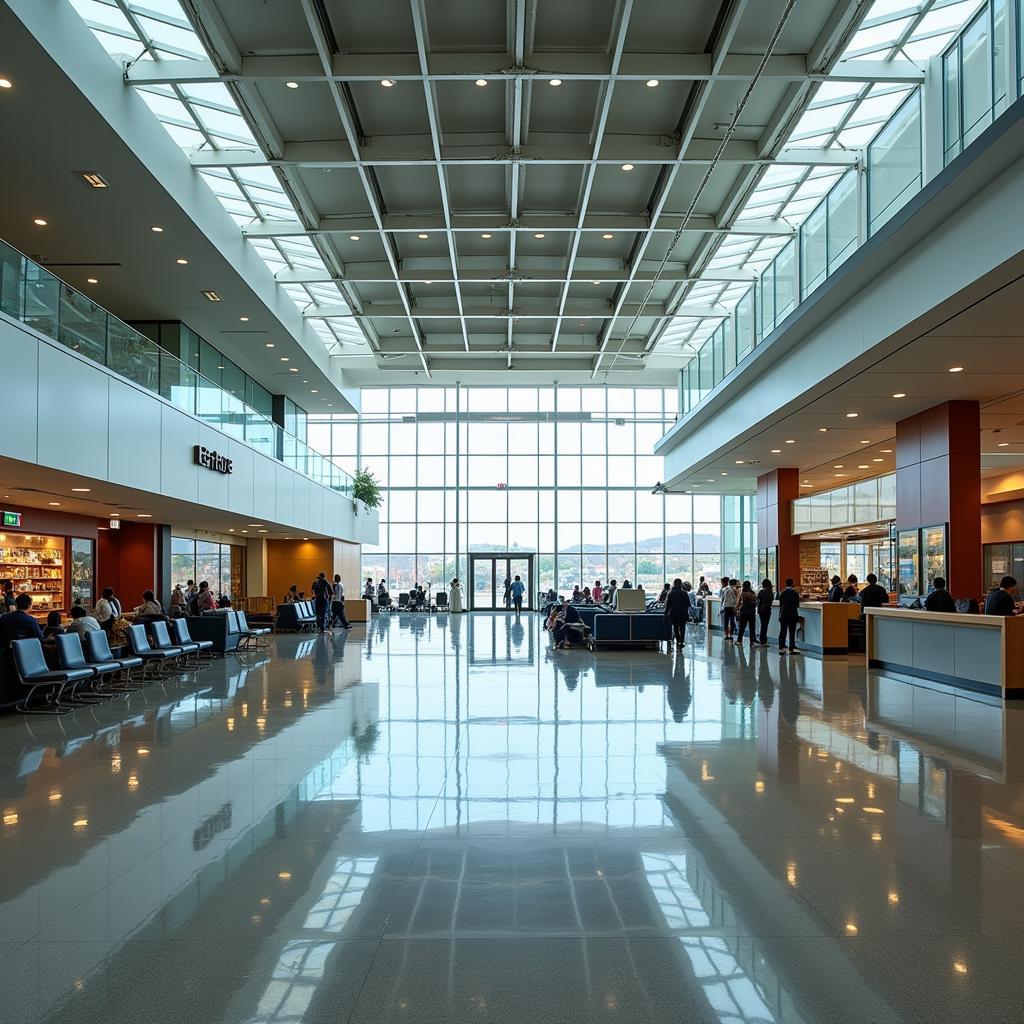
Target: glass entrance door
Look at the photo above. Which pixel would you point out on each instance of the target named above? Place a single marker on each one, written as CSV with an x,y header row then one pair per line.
x,y
493,576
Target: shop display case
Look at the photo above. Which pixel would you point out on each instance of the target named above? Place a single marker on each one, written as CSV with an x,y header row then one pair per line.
x,y
34,565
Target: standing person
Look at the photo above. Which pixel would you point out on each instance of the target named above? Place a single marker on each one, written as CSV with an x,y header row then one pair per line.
x,y
516,590
789,615
8,596
677,611
746,611
728,598
321,600
765,599
999,601
190,590
835,592
597,593
455,596
338,604
204,601
609,594
506,597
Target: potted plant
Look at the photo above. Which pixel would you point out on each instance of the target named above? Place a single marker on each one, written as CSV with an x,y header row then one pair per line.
x,y
366,489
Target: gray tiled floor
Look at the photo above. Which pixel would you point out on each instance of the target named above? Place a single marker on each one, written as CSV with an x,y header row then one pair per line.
x,y
441,819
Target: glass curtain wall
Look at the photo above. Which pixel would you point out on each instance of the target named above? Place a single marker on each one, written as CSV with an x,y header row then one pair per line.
x,y
208,560
566,472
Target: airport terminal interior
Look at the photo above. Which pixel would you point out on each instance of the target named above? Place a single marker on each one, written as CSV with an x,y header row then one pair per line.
x,y
512,511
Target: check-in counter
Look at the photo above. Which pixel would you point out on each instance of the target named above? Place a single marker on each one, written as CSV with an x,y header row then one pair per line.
x,y
981,653
823,627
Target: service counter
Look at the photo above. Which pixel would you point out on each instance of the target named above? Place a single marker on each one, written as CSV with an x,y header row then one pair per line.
x,y
358,609
823,627
980,653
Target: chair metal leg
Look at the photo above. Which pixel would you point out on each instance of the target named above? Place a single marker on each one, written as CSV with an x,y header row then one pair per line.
x,y
52,707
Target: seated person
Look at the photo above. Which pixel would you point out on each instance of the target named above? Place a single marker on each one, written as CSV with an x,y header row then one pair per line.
x,y
369,594
565,631
835,592
587,598
19,625
852,591
874,596
1000,600
150,605
293,594
577,594
53,626
82,621
940,599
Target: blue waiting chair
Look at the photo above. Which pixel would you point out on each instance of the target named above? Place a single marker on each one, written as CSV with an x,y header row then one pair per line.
x,y
97,651
34,673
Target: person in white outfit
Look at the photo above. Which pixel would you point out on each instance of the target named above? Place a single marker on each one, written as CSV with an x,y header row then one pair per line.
x,y
455,596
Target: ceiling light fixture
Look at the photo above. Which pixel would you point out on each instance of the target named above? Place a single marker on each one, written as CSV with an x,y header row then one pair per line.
x,y
6,83
627,167
838,465
555,82
157,229
900,394
865,442
487,234
81,490
212,296
653,83
776,451
39,222
739,462
270,344
791,441
181,261
354,238
244,319
93,180
284,359
723,474
1003,444
144,515
885,451
291,85
863,467
293,369
607,235
313,391
92,280
878,460
852,415
952,369
54,503
423,234
480,82
822,430
388,83
539,234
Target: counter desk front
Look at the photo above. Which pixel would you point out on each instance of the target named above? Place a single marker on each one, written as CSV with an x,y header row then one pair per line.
x,y
979,653
823,627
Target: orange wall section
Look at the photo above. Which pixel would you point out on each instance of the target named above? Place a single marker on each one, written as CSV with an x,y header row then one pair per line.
x,y
298,562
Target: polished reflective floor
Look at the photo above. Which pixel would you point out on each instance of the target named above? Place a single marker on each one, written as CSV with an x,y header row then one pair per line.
x,y
441,819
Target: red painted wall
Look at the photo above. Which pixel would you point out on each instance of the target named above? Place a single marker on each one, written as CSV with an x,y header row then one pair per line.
x,y
126,561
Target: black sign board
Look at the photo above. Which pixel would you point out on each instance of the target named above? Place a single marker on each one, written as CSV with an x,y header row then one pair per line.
x,y
211,460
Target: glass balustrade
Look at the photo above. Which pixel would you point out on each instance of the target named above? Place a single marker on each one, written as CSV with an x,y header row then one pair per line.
x,y
37,298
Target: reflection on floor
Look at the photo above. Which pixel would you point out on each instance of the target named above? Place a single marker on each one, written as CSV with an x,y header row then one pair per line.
x,y
441,819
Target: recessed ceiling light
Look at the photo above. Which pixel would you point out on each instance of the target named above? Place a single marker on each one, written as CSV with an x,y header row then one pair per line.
x,y
181,261
739,462
805,484
144,515
555,82
270,344
291,85
423,234
487,234
313,391
863,467
885,451
255,526
607,235
428,282
481,82
92,280
539,234
244,319
39,222
54,503
952,369
653,83
245,531
354,238
293,369
822,430
840,474
284,359
852,415
865,442
878,460
791,441
776,451
388,83
6,83
231,529
838,466
93,180
627,167
1003,444
212,296
263,531
157,229
900,394
81,490
723,474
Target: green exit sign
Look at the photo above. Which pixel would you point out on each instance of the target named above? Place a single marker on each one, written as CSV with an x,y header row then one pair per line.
x,y
12,519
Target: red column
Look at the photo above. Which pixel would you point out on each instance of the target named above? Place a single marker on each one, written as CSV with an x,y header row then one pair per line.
x,y
938,481
775,494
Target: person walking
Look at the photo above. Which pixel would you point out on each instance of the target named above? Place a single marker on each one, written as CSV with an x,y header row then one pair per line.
x,y
765,599
338,604
677,611
746,612
516,590
727,596
506,596
322,592
789,615
455,597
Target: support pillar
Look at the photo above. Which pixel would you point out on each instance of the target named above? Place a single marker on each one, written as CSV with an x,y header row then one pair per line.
x,y
775,494
938,483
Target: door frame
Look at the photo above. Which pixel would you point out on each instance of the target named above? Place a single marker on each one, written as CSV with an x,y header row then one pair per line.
x,y
494,557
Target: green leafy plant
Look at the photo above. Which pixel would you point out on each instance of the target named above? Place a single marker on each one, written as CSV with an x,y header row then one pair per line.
x,y
366,488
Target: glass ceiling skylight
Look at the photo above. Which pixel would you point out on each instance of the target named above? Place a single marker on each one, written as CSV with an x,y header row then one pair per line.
x,y
842,116
205,116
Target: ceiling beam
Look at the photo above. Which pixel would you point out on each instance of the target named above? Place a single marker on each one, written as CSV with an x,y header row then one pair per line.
x,y
544,309
379,273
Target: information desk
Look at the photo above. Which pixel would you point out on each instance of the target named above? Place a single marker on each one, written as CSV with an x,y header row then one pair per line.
x,y
823,627
983,653
358,609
